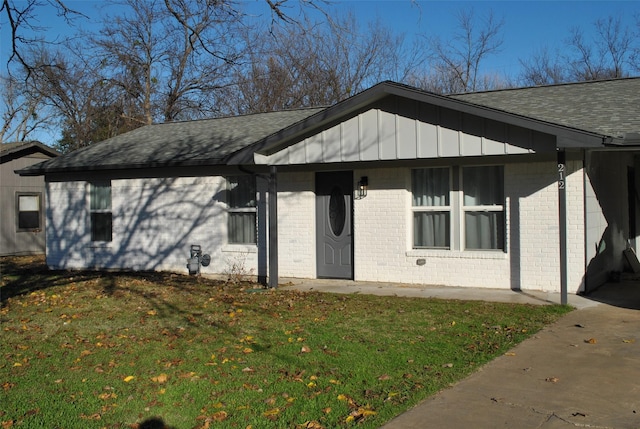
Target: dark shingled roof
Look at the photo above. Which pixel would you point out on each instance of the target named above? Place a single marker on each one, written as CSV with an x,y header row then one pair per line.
x,y
189,143
609,107
13,149
590,111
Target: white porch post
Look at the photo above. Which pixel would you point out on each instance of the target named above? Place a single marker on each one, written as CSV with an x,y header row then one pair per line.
x,y
562,223
273,227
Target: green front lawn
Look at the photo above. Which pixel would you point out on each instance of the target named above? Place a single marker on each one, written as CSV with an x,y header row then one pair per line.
x,y
112,350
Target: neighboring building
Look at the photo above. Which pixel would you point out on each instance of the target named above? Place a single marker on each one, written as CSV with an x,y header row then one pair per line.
x,y
22,199
524,189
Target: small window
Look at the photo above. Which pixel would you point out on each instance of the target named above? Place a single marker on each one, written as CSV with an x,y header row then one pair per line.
x,y
242,209
100,208
430,188
484,222
29,213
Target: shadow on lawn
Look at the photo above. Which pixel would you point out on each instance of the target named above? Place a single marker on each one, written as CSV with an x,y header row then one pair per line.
x,y
21,275
153,423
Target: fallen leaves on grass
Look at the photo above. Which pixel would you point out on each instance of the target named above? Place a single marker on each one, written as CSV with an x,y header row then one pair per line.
x,y
272,414
310,425
179,337
162,378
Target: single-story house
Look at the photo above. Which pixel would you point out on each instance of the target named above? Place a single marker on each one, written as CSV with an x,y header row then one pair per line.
x,y
525,189
22,221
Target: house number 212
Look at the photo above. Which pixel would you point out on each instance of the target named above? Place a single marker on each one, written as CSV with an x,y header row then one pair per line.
x,y
561,179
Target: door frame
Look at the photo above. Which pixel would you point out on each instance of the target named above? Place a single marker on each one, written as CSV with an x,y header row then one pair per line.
x,y
348,192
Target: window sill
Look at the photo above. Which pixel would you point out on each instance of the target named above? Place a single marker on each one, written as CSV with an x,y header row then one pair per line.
x,y
457,254
99,245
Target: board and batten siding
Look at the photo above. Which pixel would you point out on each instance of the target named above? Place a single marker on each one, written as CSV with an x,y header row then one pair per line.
x,y
416,131
13,242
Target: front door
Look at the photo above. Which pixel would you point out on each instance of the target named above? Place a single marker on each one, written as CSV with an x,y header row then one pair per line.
x,y
334,238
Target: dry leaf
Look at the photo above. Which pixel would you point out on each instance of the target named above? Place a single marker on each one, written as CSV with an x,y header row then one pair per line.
x,y
310,425
510,354
552,379
128,378
629,341
272,414
591,341
219,416
305,349
384,377
162,378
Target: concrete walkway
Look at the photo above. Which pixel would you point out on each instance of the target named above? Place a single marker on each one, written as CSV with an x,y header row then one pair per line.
x,y
582,371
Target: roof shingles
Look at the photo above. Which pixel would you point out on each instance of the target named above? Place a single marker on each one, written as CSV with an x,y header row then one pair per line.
x,y
609,107
606,108
201,142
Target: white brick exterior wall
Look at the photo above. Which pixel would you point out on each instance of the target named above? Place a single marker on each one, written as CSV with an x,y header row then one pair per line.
x,y
383,235
533,192
576,226
155,221
383,241
607,213
297,225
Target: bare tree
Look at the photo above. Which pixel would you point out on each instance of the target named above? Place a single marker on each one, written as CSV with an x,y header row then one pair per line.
x,y
605,56
543,68
455,63
70,86
608,54
23,115
22,20
614,42
315,64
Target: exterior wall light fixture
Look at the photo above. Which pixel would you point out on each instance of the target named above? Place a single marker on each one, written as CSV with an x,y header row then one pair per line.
x,y
363,184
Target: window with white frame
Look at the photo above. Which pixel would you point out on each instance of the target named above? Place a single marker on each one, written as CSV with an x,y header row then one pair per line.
x,y
100,211
28,207
431,208
483,207
241,209
465,215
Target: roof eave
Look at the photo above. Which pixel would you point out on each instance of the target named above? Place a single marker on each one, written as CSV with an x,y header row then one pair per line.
x,y
120,167
29,148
